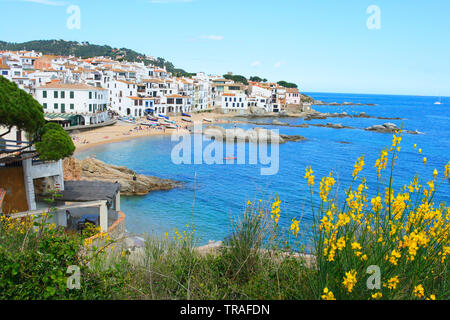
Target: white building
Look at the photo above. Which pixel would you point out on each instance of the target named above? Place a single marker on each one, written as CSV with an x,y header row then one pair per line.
x,y
175,104
119,91
74,98
202,92
256,90
140,106
260,102
232,102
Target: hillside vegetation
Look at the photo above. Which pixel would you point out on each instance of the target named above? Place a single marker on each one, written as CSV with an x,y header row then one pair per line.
x,y
87,50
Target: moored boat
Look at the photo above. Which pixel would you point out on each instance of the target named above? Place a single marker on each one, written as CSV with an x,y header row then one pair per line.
x,y
170,121
149,124
207,120
186,115
127,120
439,102
186,119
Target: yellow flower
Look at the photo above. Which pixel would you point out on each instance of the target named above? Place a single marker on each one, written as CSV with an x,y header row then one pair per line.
x,y
419,291
447,170
432,297
309,176
350,280
420,151
340,243
396,140
393,282
415,146
376,204
295,227
275,212
377,295
356,246
327,295
364,257
381,163
325,187
435,173
395,255
359,164
424,160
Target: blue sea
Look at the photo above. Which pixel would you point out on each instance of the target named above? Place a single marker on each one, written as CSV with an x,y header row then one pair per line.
x,y
212,194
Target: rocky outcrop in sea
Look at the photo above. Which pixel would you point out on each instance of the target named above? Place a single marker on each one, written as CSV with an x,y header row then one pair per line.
x,y
251,135
91,169
389,128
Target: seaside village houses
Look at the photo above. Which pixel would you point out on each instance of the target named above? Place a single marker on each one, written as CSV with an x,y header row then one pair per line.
x,y
91,92
86,93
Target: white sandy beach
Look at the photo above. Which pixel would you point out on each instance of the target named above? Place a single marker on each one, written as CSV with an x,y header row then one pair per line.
x,y
125,131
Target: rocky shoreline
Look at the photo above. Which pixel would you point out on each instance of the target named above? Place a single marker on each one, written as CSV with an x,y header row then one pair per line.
x,y
320,115
384,128
315,115
90,169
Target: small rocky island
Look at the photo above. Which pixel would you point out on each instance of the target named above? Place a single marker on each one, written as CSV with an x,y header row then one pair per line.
x,y
251,135
92,169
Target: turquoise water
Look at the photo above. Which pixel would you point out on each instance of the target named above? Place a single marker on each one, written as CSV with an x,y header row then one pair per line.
x,y
221,191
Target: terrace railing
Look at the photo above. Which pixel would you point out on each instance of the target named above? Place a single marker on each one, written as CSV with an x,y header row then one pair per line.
x,y
60,213
11,149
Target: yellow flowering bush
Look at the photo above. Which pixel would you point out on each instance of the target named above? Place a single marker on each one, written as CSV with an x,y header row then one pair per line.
x,y
404,233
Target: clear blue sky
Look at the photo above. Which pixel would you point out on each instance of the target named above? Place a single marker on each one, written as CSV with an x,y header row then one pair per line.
x,y
323,45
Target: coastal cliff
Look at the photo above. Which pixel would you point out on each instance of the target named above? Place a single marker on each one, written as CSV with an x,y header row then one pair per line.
x,y
92,169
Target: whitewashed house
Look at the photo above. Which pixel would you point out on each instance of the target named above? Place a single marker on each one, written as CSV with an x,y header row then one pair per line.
x,y
232,102
119,91
68,99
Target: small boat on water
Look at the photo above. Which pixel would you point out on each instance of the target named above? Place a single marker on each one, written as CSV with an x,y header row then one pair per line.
x,y
207,120
439,102
186,119
186,115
